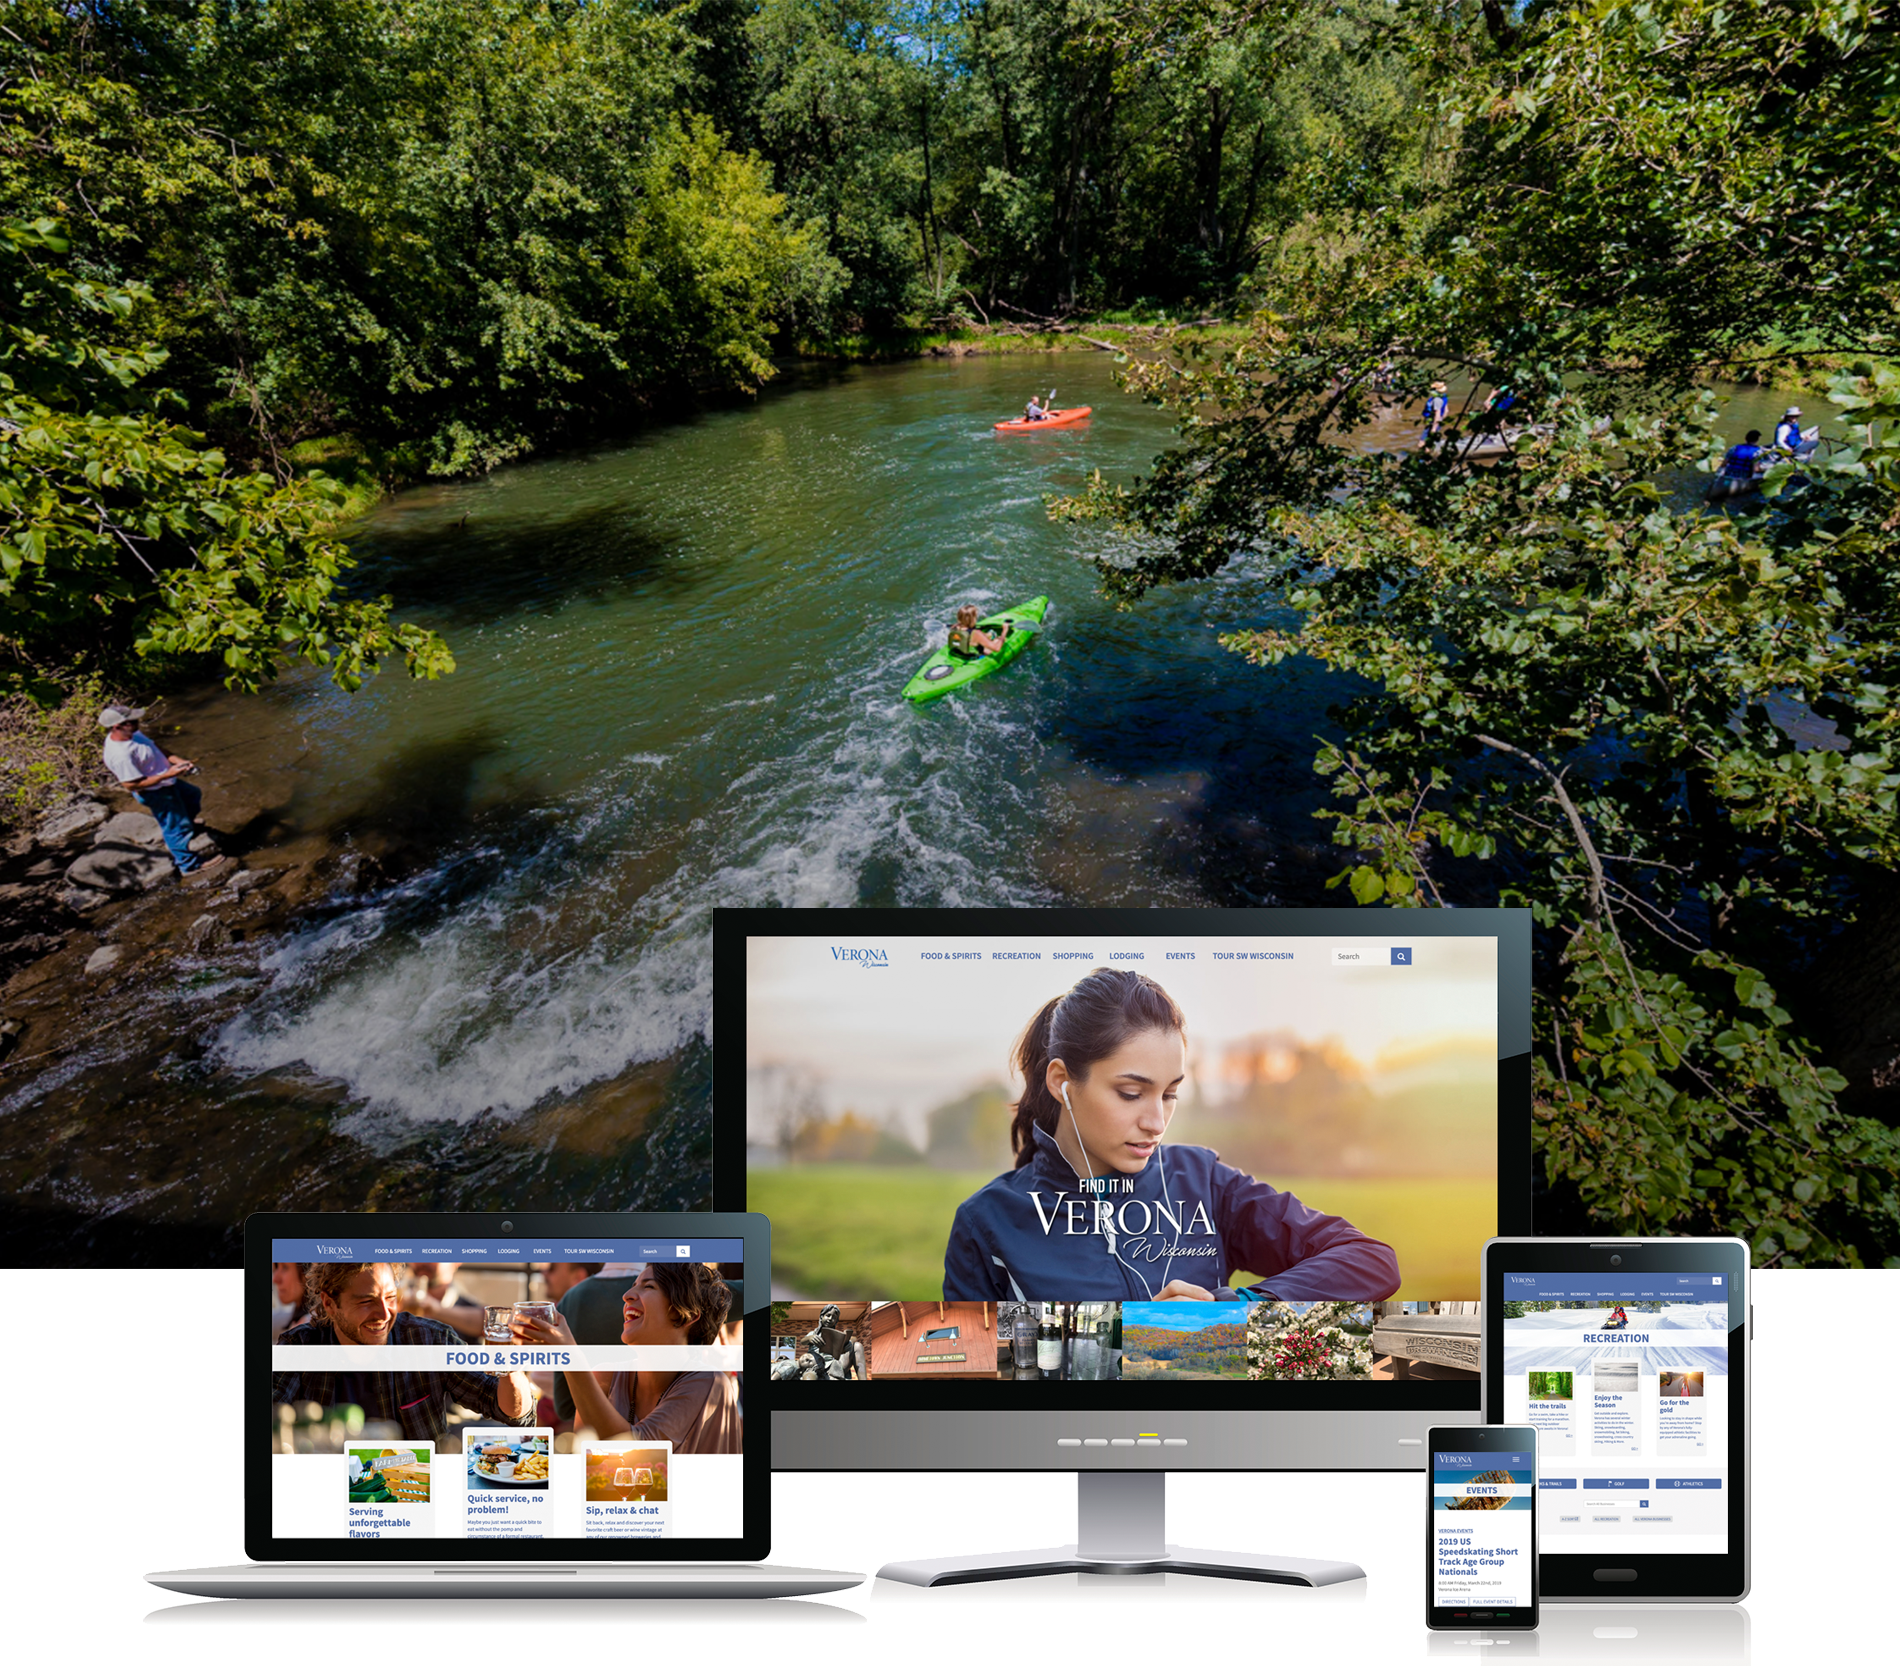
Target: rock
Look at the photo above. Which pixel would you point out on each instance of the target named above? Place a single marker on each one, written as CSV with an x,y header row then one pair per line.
x,y
357,874
206,934
203,844
120,870
131,827
19,951
249,879
69,822
11,1029
44,868
82,901
208,873
104,959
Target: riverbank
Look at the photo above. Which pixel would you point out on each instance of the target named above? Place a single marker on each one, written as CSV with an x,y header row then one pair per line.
x,y
124,1146
1088,335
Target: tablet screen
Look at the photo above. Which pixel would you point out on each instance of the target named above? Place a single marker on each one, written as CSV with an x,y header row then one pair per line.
x,y
1625,1377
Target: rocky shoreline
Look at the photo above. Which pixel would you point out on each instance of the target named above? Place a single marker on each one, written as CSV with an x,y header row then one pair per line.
x,y
92,910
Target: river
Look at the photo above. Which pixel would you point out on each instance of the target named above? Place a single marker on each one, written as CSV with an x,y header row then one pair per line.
x,y
678,688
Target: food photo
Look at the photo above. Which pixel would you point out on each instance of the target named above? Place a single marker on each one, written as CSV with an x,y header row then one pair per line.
x,y
388,1475
498,1459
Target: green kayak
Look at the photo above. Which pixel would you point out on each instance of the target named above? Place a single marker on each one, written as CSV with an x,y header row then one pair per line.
x,y
945,672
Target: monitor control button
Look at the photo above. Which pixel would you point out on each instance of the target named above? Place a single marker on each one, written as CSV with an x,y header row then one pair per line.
x,y
1174,1441
1121,1443
1616,1576
1068,1443
1149,1440
1094,1443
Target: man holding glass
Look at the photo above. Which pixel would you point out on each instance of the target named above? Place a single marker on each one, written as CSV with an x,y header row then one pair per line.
x,y
358,1305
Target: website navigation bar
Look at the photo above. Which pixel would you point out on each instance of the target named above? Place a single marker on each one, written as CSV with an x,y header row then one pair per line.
x,y
1614,1287
509,1251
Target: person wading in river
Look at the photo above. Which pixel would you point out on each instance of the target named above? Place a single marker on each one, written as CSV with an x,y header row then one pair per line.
x,y
156,779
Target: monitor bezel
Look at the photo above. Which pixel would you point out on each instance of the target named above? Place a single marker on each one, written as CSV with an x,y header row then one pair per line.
x,y
1510,927
754,1541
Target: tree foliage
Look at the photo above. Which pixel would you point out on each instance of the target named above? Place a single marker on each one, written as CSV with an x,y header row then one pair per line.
x,y
1048,156
458,230
1666,730
121,529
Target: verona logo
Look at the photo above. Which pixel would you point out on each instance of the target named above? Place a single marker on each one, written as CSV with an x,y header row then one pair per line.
x,y
863,957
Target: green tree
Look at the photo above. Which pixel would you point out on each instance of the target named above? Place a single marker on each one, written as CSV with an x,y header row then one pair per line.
x,y
121,532
1579,687
457,228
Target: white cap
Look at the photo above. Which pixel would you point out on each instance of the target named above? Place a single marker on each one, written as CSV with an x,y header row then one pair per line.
x,y
1792,410
113,716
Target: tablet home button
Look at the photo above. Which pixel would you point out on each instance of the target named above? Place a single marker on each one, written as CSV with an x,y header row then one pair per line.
x,y
1616,1576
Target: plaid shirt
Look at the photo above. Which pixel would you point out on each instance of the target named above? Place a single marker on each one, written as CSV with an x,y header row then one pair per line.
x,y
417,1402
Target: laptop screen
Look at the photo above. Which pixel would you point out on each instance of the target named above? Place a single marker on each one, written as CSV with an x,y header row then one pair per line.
x,y
469,1388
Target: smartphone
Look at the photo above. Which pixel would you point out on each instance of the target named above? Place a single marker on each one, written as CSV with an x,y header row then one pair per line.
x,y
1481,1528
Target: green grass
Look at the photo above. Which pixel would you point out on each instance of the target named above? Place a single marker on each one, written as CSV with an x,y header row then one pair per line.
x,y
856,1233
346,463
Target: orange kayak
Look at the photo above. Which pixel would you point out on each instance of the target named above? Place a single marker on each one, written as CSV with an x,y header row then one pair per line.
x,y
1058,419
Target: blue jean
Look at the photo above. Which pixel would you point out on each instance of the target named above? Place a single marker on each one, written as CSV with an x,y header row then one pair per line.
x,y
175,806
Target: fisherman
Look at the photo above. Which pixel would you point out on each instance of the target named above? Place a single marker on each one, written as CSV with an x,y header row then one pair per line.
x,y
156,779
1788,435
1437,407
967,642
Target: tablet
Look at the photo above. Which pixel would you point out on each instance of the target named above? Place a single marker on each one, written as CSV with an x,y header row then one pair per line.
x,y
1629,1356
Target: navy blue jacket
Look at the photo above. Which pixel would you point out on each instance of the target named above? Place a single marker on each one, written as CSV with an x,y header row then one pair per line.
x,y
1035,1234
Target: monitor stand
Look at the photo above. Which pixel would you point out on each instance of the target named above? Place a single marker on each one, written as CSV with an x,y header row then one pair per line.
x,y
1119,1529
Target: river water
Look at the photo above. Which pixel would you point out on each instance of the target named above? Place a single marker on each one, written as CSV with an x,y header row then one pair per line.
x,y
678,688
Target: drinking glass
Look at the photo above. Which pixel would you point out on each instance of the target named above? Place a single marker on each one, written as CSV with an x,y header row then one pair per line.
x,y
544,1311
623,1477
495,1323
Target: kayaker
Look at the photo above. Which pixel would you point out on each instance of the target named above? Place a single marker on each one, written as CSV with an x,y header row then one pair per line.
x,y
969,642
1035,410
1502,400
1744,461
1437,407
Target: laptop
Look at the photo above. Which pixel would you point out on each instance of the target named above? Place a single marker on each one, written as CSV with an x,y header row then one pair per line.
x,y
522,1405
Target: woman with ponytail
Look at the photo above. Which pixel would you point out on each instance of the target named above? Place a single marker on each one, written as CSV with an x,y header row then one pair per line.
x,y
1097,1208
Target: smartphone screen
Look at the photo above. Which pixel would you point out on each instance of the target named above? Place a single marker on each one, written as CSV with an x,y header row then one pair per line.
x,y
1481,1528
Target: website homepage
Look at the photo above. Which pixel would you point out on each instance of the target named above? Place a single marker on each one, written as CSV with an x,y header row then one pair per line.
x,y
1483,1553
1140,1154
502,1390
1626,1382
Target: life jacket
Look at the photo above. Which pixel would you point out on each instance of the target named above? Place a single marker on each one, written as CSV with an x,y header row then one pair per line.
x,y
960,642
1739,464
1788,434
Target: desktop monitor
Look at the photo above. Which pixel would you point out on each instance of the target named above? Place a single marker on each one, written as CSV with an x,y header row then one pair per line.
x,y
1123,1191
